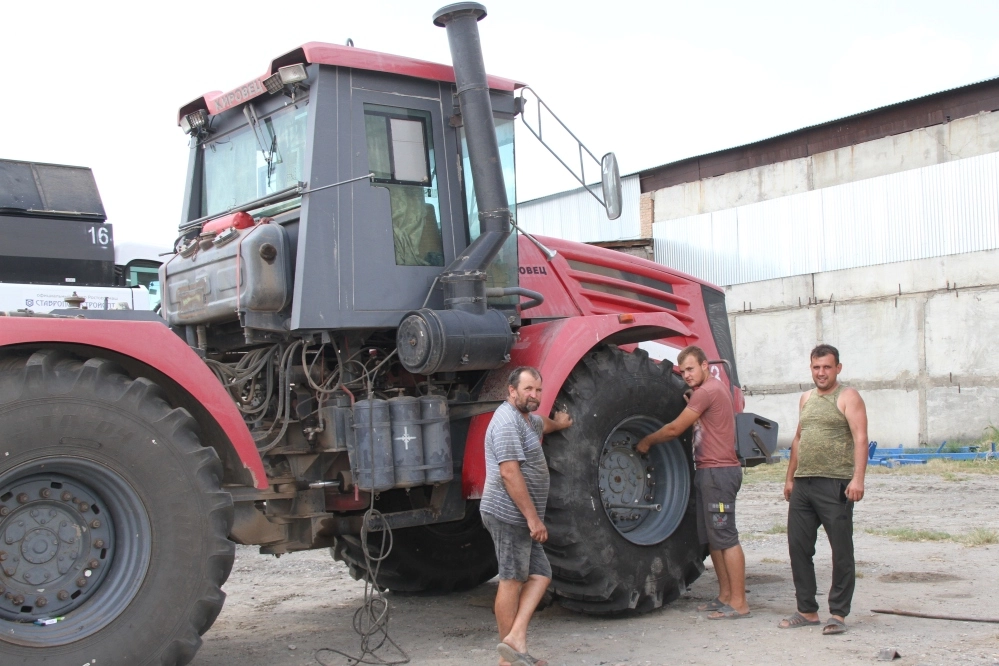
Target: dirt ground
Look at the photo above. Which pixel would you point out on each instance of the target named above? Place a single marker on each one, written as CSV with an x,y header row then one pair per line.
x,y
282,611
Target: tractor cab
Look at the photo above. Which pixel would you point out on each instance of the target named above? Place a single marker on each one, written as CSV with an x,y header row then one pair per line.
x,y
359,161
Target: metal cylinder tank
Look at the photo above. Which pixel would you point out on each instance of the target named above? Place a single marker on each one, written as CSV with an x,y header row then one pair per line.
x,y
436,439
372,460
407,441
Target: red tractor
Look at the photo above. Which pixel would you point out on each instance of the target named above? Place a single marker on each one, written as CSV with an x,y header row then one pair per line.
x,y
339,318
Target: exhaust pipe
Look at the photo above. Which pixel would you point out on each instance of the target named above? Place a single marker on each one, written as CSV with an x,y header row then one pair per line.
x,y
461,22
466,335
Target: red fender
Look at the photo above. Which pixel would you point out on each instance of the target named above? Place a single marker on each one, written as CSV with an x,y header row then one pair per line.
x,y
554,348
155,345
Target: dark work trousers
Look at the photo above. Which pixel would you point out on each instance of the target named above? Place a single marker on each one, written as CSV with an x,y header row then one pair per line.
x,y
821,501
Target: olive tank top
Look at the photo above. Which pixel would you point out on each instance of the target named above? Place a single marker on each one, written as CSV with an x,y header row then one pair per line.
x,y
826,445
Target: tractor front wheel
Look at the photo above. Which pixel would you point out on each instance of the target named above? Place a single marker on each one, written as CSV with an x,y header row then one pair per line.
x,y
621,528
113,526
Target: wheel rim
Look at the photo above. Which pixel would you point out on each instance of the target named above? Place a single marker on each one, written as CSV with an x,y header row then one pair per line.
x,y
74,545
644,497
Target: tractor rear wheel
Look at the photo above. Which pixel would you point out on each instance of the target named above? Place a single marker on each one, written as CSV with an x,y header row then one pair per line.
x,y
621,528
113,526
434,559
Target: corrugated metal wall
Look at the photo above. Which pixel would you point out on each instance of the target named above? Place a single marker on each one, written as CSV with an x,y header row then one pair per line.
x,y
932,211
577,216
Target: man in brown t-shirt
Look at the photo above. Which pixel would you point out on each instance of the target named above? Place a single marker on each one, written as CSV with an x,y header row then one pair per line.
x,y
717,480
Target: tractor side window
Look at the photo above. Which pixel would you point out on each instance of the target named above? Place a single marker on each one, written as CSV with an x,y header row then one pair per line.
x,y
401,155
503,271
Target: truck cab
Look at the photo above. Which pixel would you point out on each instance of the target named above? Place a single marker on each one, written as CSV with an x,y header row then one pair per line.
x,y
361,162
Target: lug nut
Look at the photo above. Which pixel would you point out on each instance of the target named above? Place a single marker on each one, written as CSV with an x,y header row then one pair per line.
x,y
41,602
93,564
18,600
84,507
63,595
45,493
99,543
81,581
66,496
95,523
22,498
4,511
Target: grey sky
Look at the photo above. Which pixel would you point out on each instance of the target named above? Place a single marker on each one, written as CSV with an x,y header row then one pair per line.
x,y
98,84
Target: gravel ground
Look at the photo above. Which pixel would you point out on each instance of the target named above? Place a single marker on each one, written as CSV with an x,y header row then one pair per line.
x,y
282,611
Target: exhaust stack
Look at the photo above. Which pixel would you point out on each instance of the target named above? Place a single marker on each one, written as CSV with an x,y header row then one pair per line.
x,y
461,22
467,334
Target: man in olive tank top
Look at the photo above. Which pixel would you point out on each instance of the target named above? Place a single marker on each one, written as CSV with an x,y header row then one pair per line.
x,y
825,476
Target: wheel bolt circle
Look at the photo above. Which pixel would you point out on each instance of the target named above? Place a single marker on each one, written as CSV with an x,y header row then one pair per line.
x,y
63,595
45,493
81,581
84,507
99,543
22,498
66,496
95,523
41,602
93,564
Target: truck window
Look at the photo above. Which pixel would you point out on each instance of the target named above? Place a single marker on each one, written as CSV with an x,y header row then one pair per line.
x,y
401,155
503,271
237,169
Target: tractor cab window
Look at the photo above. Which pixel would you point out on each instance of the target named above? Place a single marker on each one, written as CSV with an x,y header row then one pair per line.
x,y
254,161
401,155
503,270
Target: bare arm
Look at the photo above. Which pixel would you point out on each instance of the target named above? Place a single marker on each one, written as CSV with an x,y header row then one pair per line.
x,y
669,431
561,421
516,488
855,411
792,463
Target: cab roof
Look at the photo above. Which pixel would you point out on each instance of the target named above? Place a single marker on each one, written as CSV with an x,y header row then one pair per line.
x,y
339,56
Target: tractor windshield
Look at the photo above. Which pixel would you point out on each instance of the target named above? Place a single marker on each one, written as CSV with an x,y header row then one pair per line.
x,y
253,161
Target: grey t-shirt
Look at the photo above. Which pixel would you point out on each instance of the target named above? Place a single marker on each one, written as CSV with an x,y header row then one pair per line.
x,y
510,437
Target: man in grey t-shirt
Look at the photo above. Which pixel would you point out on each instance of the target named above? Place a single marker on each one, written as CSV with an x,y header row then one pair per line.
x,y
513,509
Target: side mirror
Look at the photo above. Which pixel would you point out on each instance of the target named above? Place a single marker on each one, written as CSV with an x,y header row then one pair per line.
x,y
610,178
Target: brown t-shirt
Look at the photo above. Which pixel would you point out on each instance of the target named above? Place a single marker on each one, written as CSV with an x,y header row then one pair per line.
x,y
714,432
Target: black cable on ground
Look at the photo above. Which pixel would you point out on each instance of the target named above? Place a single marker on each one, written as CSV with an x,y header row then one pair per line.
x,y
371,620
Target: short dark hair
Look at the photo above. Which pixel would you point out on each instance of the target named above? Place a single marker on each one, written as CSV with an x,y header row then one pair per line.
x,y
825,350
514,380
692,350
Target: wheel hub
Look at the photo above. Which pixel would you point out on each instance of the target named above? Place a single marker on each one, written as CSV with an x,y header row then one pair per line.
x,y
644,496
55,545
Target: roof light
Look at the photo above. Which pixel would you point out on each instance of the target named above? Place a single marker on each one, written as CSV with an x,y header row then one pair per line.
x,y
289,75
292,74
193,123
273,83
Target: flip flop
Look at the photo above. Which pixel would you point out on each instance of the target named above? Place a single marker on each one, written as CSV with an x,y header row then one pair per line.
x,y
713,605
833,627
798,620
726,612
518,658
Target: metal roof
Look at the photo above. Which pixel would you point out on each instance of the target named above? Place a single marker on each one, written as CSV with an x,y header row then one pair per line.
x,y
931,109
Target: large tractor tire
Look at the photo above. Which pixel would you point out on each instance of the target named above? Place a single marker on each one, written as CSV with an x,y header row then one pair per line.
x,y
435,559
607,558
113,525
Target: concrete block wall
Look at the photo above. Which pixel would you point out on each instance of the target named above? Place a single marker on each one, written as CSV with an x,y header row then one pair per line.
x,y
918,339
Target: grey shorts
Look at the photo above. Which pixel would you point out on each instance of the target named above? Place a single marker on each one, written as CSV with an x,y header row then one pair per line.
x,y
518,555
715,489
